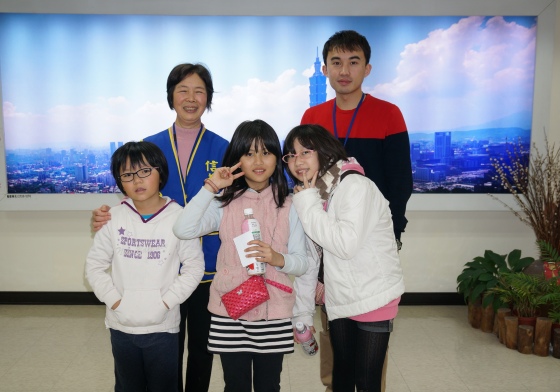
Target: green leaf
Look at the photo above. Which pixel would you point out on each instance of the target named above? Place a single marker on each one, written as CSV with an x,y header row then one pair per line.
x,y
498,260
477,291
486,277
487,300
491,284
548,253
466,275
473,264
516,263
513,257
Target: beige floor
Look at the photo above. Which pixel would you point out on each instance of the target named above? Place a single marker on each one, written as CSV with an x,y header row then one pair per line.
x,y
67,349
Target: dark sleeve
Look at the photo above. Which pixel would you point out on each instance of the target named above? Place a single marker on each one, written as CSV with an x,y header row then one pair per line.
x,y
398,177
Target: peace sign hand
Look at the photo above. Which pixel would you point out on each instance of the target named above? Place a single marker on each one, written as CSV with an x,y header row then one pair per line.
x,y
224,177
306,183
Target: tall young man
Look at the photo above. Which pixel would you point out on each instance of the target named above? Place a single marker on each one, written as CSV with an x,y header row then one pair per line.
x,y
372,130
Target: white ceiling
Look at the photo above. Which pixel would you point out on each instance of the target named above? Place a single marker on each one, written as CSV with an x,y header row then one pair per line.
x,y
281,7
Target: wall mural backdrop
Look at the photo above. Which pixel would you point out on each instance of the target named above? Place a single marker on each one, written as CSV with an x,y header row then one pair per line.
x,y
76,86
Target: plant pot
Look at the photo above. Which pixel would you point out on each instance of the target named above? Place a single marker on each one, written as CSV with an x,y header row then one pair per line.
x,y
523,320
487,322
470,312
554,326
536,268
532,321
476,315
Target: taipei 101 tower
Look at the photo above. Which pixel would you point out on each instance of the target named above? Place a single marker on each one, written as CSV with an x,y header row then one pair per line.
x,y
317,85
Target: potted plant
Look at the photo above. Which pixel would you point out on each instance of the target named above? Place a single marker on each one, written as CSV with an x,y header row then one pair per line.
x,y
479,276
526,294
482,273
553,308
550,258
551,261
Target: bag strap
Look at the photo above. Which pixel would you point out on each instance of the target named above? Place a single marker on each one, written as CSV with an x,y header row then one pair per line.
x,y
347,172
280,286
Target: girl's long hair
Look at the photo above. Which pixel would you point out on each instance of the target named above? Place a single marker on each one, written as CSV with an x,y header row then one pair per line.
x,y
264,136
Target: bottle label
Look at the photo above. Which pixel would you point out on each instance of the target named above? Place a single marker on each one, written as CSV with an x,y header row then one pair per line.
x,y
256,268
252,225
310,346
255,228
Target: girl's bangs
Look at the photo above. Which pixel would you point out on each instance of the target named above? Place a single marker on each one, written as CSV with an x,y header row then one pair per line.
x,y
136,159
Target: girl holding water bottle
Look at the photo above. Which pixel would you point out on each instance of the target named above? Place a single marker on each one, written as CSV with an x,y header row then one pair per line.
x,y
251,348
349,221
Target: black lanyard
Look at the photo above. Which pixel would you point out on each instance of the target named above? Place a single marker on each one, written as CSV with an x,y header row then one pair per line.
x,y
351,121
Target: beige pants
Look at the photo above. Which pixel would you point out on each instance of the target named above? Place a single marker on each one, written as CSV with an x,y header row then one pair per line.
x,y
326,356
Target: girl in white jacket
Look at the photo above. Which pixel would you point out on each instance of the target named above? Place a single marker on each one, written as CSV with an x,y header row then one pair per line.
x,y
349,220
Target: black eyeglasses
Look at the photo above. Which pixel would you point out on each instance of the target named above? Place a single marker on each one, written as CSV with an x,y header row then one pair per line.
x,y
142,173
305,154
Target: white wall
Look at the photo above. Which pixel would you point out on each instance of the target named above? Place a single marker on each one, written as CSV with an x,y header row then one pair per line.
x,y
45,250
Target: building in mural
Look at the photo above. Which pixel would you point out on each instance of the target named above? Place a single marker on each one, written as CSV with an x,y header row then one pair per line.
x,y
317,84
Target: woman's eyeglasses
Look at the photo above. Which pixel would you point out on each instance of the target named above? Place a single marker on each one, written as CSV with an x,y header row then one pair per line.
x,y
305,154
142,173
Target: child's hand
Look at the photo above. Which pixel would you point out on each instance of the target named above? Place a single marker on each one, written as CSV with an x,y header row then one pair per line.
x,y
309,327
306,183
262,252
224,177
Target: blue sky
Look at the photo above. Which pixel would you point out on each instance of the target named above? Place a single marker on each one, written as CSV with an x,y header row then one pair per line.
x,y
102,77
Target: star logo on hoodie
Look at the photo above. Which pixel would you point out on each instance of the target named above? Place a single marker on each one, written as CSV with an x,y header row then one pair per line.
x,y
121,231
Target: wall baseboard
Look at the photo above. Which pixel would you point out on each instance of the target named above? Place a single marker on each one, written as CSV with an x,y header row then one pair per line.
x,y
48,298
88,298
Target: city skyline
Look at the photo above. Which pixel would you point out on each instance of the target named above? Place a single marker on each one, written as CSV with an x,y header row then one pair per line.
x,y
441,164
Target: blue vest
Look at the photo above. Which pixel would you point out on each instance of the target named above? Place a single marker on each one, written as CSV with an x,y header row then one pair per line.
x,y
206,156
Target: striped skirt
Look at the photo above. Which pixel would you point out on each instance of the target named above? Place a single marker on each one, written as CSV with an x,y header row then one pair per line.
x,y
261,337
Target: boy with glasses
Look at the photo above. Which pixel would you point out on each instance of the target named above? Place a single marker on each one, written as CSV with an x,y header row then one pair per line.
x,y
132,268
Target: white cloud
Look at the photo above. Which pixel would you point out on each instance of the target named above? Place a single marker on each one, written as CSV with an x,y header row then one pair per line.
x,y
94,124
309,71
279,102
470,64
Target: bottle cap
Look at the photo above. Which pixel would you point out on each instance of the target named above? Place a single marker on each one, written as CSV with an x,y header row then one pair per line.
x,y
248,211
300,326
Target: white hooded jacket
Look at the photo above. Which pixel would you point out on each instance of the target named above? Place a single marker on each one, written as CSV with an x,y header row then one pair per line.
x,y
362,270
141,263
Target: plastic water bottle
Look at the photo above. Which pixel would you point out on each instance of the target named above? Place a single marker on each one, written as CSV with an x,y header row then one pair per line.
x,y
306,338
252,225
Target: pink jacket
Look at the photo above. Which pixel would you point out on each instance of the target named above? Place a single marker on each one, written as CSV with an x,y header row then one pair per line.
x,y
230,273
